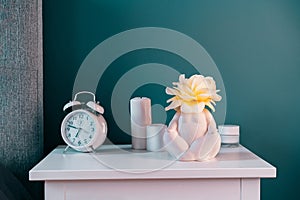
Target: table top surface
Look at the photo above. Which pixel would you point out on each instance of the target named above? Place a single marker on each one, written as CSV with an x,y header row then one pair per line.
x,y
121,162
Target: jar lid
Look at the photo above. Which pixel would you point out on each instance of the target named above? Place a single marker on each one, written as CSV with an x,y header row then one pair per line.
x,y
229,129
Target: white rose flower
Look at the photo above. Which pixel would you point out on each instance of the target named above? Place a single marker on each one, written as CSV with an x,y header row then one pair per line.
x,y
196,90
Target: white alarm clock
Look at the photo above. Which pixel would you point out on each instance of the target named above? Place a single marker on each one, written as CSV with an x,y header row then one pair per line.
x,y
84,129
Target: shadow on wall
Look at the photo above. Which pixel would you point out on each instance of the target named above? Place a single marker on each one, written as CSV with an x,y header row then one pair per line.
x,y
11,188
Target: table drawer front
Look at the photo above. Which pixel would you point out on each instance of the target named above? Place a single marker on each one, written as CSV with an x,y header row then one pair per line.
x,y
173,189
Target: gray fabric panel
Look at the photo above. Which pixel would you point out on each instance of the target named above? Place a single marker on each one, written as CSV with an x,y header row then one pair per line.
x,y
19,34
21,86
19,144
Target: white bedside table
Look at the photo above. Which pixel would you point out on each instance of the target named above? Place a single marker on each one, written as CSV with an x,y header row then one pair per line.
x,y
117,172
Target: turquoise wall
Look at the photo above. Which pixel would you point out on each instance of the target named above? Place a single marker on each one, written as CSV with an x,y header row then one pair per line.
x,y
255,44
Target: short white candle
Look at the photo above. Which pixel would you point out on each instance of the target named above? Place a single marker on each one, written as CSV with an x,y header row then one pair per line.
x,y
155,133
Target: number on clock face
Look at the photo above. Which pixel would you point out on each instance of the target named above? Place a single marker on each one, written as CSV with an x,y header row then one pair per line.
x,y
80,129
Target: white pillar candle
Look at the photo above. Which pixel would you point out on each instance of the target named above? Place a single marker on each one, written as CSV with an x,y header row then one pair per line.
x,y
140,117
155,133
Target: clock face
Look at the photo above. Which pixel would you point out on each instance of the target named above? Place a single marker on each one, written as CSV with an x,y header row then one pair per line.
x,y
79,128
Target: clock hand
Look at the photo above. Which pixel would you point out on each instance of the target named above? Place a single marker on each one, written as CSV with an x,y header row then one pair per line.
x,y
72,126
79,129
85,130
83,127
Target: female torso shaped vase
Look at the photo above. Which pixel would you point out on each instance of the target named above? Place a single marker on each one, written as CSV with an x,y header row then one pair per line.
x,y
191,124
192,134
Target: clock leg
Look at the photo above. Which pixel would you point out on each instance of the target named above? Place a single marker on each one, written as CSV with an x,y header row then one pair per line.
x,y
66,149
92,149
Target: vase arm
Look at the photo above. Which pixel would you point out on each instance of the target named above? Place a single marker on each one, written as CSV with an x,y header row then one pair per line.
x,y
175,144
173,125
211,123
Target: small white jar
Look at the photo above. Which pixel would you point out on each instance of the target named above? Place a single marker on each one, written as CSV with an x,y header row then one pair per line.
x,y
230,135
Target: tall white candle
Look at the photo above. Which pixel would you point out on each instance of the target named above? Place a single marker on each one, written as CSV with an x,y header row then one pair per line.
x,y
140,117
